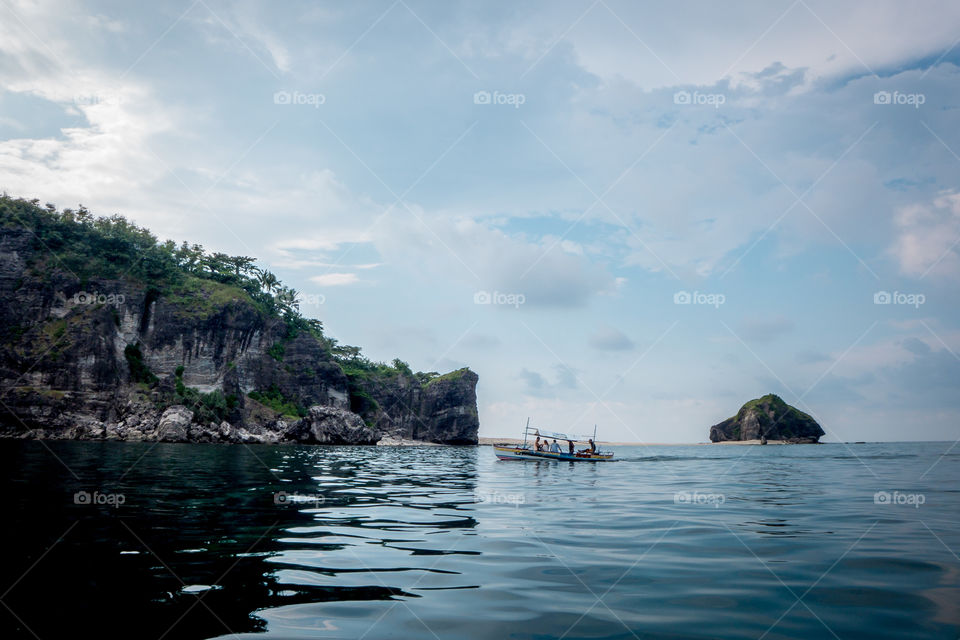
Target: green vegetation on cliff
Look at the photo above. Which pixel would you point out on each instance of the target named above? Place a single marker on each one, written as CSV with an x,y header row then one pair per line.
x,y
113,248
363,375
453,375
767,417
275,399
228,299
138,369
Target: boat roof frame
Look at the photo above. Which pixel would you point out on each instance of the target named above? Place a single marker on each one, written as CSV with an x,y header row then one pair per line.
x,y
556,435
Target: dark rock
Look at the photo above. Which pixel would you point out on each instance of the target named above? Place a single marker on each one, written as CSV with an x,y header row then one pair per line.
x,y
331,425
449,409
442,411
768,418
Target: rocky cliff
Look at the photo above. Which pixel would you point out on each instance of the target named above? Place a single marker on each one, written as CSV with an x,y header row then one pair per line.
x,y
105,333
768,418
443,409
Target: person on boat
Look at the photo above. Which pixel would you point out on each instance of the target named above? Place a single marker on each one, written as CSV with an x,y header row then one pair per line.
x,y
570,442
593,446
592,449
554,448
537,445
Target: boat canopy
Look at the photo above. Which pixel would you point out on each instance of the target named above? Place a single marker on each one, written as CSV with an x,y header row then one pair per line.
x,y
556,435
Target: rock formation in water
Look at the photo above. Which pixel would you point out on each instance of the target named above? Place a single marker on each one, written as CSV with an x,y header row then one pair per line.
x,y
107,333
768,418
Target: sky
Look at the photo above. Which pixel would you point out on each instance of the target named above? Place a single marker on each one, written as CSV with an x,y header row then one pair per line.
x,y
630,215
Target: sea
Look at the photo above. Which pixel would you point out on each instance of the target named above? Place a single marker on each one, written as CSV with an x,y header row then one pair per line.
x,y
148,540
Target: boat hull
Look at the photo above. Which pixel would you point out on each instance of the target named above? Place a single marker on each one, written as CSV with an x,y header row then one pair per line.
x,y
519,453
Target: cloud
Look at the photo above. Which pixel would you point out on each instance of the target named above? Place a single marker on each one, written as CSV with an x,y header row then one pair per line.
x,y
735,172
916,346
536,384
810,356
534,381
928,237
804,35
902,374
490,259
766,329
480,341
335,279
566,377
611,339
402,338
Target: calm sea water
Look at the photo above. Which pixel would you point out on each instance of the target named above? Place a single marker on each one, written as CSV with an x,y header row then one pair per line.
x,y
199,541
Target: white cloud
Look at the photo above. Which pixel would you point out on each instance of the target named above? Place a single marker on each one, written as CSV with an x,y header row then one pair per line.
x,y
489,259
335,279
106,160
928,237
703,46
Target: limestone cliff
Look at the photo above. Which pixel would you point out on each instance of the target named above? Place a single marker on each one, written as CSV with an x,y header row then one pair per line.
x,y
101,342
768,418
443,409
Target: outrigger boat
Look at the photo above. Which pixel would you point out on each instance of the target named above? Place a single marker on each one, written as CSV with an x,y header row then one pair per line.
x,y
526,451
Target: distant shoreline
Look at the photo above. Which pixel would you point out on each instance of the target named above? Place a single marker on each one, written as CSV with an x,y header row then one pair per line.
x,y
508,441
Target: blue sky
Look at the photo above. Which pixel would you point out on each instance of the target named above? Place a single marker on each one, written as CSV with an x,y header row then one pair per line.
x,y
583,163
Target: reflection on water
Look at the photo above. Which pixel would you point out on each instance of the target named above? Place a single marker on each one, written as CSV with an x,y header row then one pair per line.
x,y
339,542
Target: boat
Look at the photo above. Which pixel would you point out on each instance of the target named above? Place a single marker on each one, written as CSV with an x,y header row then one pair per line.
x,y
526,451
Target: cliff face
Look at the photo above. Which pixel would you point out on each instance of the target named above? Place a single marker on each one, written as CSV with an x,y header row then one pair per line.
x,y
82,357
442,410
768,417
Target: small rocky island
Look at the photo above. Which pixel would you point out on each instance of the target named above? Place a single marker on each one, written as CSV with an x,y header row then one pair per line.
x,y
107,333
768,419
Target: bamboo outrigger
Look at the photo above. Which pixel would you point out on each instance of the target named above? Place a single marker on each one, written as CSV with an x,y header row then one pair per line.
x,y
526,451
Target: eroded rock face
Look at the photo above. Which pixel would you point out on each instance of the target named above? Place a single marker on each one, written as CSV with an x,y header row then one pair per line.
x,y
442,411
768,418
331,425
64,372
449,410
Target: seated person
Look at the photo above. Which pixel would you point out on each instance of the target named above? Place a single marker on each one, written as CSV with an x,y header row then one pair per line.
x,y
555,448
